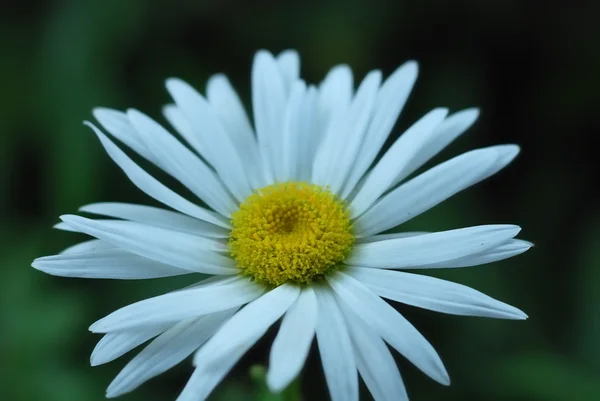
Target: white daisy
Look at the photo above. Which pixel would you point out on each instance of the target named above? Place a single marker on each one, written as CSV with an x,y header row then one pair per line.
x,y
291,230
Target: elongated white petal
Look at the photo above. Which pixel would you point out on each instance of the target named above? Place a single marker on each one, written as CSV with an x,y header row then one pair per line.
x,y
174,248
499,252
64,227
157,217
183,127
335,94
451,128
166,351
430,248
433,294
335,348
118,125
211,136
390,325
383,237
213,280
433,187
374,360
207,376
152,187
114,345
291,346
249,323
289,65
211,367
345,135
292,134
390,101
92,245
231,113
182,163
308,134
268,102
503,251
395,160
179,305
109,263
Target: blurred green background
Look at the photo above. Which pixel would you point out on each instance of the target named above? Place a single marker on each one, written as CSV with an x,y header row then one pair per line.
x,y
532,67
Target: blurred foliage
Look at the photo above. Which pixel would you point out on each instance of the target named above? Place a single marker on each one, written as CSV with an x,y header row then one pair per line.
x,y
531,66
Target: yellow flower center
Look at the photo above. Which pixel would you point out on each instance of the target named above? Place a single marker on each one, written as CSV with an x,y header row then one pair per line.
x,y
290,232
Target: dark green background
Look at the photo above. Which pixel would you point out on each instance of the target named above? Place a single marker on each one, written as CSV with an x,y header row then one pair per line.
x,y
532,66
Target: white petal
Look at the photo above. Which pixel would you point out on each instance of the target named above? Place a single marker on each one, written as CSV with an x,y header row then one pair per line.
x,y
374,360
292,344
249,324
179,305
114,345
92,245
109,263
185,251
231,113
335,94
211,136
390,325
333,98
166,351
64,227
383,237
390,101
118,125
433,187
335,348
183,164
212,280
500,252
395,160
503,251
451,128
268,102
183,127
345,135
154,216
433,294
292,134
213,366
289,65
309,134
206,377
430,248
152,187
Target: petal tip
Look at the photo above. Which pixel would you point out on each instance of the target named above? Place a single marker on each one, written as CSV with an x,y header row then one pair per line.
x,y
68,217
273,385
411,68
472,113
95,361
97,327
101,112
174,84
263,54
520,315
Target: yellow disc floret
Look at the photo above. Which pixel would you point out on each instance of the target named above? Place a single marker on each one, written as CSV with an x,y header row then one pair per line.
x,y
290,232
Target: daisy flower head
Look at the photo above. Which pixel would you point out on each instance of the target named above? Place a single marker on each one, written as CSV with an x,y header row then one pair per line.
x,y
290,223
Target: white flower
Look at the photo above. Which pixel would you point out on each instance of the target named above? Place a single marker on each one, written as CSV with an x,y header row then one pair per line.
x,y
292,230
